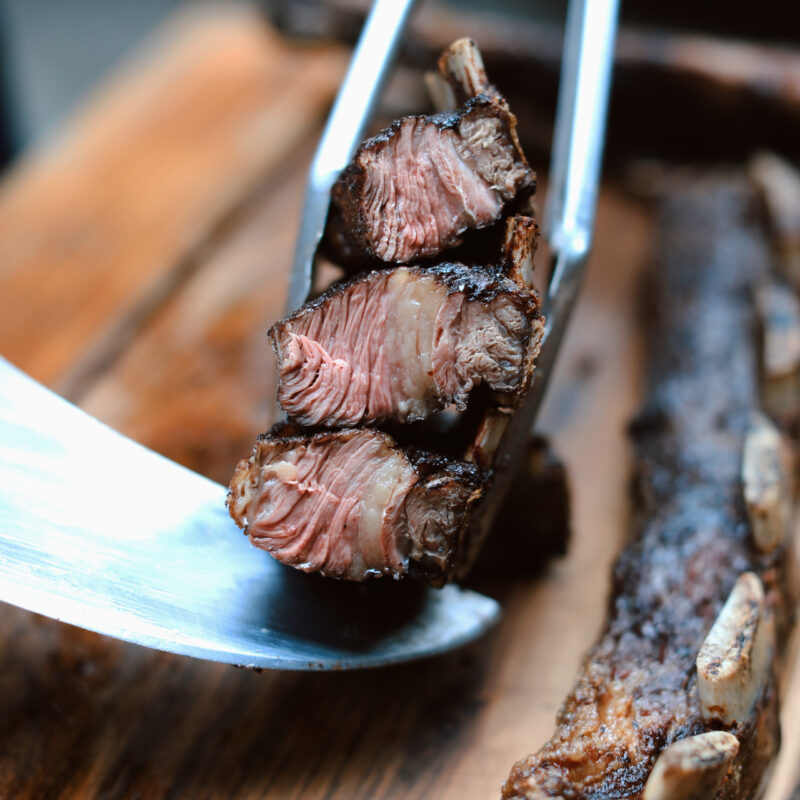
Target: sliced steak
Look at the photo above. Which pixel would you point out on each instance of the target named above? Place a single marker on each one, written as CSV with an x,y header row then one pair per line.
x,y
399,344
353,505
413,189
643,686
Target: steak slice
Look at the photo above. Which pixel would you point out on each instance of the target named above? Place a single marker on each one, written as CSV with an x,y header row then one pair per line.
x,y
399,344
353,505
642,687
413,189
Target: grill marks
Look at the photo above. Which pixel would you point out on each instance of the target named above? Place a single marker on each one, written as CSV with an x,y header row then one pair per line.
x,y
397,345
413,189
351,504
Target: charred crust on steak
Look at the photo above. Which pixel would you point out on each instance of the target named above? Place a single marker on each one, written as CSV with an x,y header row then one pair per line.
x,y
428,464
479,283
483,284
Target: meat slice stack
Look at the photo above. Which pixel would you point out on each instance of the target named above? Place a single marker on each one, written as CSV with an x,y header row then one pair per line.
x,y
395,344
352,504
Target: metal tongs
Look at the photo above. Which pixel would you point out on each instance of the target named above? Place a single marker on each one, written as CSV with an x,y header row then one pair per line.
x,y
570,206
100,532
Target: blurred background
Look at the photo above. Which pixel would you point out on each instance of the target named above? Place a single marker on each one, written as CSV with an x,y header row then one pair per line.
x,y
54,52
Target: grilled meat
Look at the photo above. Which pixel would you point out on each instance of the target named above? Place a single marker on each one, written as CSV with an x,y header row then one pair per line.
x,y
353,505
413,189
657,675
393,346
399,344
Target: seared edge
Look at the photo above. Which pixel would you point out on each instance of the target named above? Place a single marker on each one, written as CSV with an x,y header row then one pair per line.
x,y
480,284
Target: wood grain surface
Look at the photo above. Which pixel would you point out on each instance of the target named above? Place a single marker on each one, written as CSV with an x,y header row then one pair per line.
x,y
104,221
155,318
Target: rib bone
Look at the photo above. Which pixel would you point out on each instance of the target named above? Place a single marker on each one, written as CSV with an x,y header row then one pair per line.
x,y
461,65
518,249
487,440
516,261
692,768
733,661
487,446
766,483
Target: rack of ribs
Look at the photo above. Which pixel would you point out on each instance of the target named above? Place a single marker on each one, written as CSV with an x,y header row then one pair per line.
x,y
678,697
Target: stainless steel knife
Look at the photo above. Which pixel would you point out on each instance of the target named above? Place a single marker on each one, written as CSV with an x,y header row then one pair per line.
x,y
98,531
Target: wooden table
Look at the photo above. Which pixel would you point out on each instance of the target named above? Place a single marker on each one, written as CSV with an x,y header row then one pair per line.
x,y
142,255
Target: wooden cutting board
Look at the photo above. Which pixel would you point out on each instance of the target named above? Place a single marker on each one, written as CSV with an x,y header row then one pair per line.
x,y
143,254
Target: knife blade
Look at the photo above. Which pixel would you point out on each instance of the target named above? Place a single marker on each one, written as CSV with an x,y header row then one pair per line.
x,y
100,532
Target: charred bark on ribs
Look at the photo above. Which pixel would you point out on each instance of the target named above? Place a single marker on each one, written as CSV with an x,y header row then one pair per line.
x,y
689,644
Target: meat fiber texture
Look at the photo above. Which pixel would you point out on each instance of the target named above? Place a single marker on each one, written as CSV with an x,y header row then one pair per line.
x,y
397,345
353,505
413,189
637,691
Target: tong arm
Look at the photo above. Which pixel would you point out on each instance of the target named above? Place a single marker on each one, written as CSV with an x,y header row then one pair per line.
x,y
575,164
346,126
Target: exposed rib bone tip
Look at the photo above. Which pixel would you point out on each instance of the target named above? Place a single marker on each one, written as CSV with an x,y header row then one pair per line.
x,y
490,433
733,661
779,183
766,483
692,768
519,247
461,65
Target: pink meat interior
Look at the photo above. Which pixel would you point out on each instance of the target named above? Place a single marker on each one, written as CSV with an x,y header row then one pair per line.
x,y
425,185
398,345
